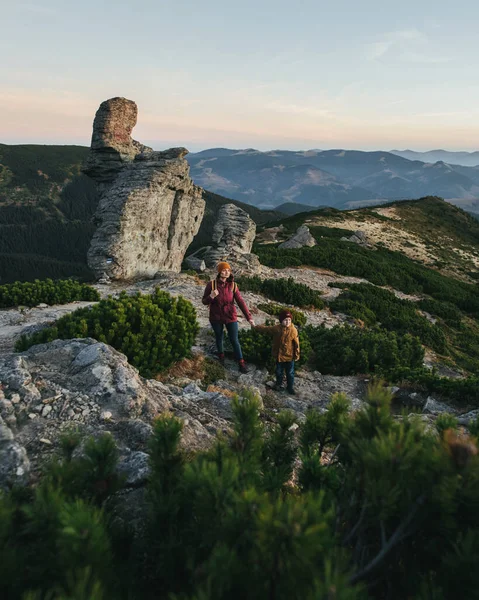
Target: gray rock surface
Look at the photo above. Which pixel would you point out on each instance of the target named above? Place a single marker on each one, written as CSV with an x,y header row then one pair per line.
x,y
301,238
67,383
111,143
149,209
14,463
232,240
435,407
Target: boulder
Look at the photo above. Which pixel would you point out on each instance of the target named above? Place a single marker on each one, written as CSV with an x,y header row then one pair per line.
x,y
434,407
232,240
77,382
149,209
301,238
197,264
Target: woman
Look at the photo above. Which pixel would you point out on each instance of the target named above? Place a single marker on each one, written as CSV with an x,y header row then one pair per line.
x,y
220,295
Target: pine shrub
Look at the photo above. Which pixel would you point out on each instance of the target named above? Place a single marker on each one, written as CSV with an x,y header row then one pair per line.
x,y
381,509
46,291
284,290
153,331
348,350
299,318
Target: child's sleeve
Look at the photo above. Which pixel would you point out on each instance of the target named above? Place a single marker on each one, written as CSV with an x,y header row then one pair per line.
x,y
268,329
296,351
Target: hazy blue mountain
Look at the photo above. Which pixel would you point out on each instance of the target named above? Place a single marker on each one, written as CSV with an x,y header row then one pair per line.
x,y
327,177
466,159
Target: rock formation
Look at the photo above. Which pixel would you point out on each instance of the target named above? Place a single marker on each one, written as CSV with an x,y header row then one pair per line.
x,y
149,209
90,385
301,238
232,240
359,237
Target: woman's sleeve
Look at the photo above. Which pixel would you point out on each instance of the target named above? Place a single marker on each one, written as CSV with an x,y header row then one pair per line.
x,y
206,296
241,303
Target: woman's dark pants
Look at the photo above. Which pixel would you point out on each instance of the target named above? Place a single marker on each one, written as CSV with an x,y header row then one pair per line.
x,y
281,368
232,329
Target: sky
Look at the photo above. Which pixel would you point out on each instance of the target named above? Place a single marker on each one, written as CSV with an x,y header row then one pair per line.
x,y
265,74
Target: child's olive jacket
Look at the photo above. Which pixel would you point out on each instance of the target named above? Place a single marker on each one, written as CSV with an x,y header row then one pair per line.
x,y
285,341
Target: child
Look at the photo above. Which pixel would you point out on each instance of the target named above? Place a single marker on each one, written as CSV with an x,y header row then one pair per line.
x,y
285,348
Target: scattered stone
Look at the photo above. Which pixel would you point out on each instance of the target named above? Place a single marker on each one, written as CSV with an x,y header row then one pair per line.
x,y
135,468
198,264
301,238
106,415
46,441
435,407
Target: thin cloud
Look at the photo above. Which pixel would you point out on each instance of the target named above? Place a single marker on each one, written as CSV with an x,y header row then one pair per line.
x,y
298,109
408,45
37,9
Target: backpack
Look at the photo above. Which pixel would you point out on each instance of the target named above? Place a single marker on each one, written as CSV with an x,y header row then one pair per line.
x,y
213,286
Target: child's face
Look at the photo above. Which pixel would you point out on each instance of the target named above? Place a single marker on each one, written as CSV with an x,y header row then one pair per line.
x,y
286,322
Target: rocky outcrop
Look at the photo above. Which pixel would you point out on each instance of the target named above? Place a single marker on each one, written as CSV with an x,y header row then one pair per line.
x,y
269,235
359,237
301,238
232,240
89,385
111,143
149,209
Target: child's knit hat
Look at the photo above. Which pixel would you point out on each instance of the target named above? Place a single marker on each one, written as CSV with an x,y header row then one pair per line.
x,y
284,314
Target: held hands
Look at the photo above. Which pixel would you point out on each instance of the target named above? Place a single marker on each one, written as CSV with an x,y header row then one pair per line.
x,y
213,294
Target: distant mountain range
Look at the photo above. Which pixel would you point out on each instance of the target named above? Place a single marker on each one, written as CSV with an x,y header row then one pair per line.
x,y
466,159
338,178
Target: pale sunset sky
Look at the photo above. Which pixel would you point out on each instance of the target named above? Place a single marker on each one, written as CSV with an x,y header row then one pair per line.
x,y
265,74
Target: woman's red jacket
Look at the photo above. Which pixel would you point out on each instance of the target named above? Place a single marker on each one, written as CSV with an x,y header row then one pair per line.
x,y
222,308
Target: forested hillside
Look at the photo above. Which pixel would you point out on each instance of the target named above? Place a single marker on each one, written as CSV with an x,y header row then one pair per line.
x,y
46,210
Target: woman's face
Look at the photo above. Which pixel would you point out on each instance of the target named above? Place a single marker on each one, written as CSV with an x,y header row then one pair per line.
x,y
225,273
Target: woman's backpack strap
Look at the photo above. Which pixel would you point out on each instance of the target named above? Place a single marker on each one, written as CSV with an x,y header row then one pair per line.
x,y
213,284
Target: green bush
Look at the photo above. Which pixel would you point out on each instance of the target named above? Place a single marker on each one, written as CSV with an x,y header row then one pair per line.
x,y
285,290
445,421
463,391
376,305
213,371
379,508
46,291
299,318
446,311
347,350
153,331
380,266
257,346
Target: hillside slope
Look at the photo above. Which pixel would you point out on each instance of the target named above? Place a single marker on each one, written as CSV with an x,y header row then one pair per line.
x,y
46,210
429,231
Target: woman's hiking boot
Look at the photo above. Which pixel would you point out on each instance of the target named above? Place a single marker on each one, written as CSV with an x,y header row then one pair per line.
x,y
221,357
278,387
291,391
242,366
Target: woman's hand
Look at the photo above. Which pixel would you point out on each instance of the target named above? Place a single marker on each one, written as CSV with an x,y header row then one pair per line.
x,y
213,294
251,322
